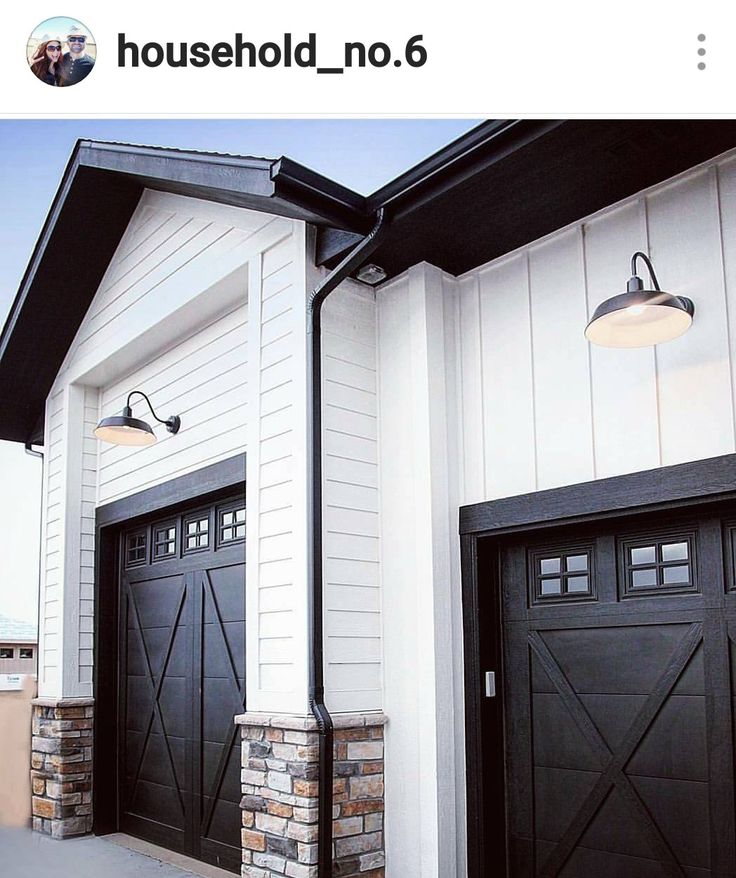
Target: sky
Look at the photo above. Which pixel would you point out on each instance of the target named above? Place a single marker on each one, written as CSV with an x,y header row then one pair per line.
x,y
55,27
360,153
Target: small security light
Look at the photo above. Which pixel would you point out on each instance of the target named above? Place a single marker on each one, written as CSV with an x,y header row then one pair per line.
x,y
126,430
640,317
371,274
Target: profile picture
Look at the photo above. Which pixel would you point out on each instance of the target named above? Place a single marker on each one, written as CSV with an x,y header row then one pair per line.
x,y
61,51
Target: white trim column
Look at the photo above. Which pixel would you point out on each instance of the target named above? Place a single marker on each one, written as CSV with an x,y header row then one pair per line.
x,y
61,546
416,577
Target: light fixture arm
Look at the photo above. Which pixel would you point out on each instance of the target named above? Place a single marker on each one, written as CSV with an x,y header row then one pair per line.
x,y
172,424
648,262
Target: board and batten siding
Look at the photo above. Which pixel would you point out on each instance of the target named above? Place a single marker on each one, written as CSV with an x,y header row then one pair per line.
x,y
540,406
498,355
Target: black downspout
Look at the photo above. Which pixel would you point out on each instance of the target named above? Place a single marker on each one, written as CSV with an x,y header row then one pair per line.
x,y
314,531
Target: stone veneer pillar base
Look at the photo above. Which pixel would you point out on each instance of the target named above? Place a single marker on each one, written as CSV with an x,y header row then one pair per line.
x,y
280,796
61,766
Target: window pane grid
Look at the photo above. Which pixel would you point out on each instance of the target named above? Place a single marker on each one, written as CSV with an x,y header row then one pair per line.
x,y
662,564
231,525
196,534
563,575
164,542
135,549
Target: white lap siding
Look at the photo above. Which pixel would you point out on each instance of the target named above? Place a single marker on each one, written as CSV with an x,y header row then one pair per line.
x,y
203,380
170,317
352,593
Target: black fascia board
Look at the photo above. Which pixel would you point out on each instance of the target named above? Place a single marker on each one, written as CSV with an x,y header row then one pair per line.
x,y
279,186
461,159
467,156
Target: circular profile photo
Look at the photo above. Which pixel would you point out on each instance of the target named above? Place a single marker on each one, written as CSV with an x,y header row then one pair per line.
x,y
61,51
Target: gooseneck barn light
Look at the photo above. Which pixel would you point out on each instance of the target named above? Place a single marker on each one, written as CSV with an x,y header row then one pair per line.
x,y
126,430
640,317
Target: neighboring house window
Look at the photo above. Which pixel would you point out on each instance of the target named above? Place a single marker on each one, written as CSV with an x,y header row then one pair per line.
x,y
6,652
26,652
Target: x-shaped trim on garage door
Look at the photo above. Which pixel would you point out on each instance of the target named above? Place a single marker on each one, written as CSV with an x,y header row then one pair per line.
x,y
613,764
155,684
203,581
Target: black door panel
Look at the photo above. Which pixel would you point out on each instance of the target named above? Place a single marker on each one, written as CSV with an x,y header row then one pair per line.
x,y
182,660
618,700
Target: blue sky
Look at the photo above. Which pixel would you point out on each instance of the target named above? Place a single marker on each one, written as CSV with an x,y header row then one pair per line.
x,y
55,27
361,154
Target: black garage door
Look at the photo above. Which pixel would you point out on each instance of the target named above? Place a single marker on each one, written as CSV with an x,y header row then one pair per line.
x,y
617,693
182,679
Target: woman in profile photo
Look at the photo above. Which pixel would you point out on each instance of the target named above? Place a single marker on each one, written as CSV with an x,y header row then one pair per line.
x,y
46,62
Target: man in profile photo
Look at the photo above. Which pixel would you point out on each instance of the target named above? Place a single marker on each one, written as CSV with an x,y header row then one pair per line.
x,y
76,63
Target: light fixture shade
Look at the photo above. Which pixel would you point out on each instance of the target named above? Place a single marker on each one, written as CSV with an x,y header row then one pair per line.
x,y
640,318
125,430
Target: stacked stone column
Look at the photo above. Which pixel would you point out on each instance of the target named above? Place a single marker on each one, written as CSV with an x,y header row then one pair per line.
x,y
281,796
61,766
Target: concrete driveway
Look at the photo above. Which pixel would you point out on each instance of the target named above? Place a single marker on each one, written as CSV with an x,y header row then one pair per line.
x,y
26,854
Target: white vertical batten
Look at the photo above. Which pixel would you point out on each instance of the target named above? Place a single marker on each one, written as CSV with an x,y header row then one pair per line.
x,y
727,208
619,384
507,377
694,373
715,172
561,377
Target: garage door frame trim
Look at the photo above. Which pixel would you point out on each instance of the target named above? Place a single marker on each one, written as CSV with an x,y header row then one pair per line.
x,y
662,489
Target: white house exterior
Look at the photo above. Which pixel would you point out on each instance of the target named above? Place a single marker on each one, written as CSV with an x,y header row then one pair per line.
x,y
439,391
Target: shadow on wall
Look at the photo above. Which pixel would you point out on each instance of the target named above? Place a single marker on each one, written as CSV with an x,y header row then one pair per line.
x,y
15,753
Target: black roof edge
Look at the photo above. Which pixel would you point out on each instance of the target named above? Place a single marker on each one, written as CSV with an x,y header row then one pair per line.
x,y
337,203
37,254
483,145
477,149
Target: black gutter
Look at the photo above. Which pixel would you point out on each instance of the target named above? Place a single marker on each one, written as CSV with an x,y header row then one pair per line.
x,y
340,206
347,266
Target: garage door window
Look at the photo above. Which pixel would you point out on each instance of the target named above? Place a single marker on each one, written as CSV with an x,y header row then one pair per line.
x,y
562,575
660,565
196,533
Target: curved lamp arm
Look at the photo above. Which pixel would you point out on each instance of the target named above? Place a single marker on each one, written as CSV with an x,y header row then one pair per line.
x,y
172,424
648,262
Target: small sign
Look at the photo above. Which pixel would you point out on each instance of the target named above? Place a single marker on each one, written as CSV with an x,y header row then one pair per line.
x,y
11,682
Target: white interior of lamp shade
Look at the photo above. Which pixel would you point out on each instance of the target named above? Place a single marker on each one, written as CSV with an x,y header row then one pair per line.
x,y
639,326
123,435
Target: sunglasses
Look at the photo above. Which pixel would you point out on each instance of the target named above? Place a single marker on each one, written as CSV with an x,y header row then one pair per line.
x,y
54,48
76,39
